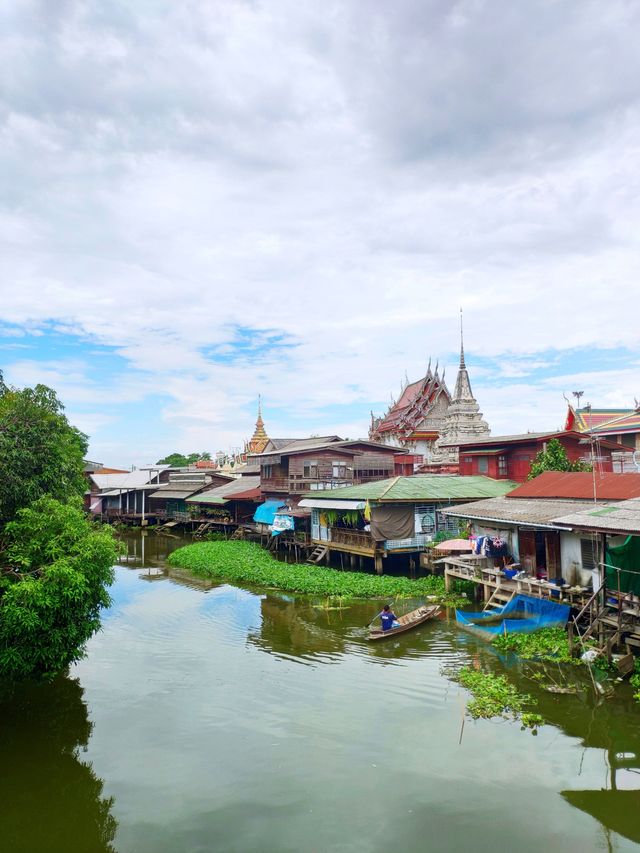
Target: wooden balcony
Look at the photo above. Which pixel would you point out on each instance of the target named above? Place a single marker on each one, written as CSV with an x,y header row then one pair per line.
x,y
355,541
299,485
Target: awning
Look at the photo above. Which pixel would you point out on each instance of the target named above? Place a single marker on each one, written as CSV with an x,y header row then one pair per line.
x,y
318,503
266,512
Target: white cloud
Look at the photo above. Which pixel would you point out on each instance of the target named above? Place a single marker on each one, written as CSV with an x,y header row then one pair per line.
x,y
346,175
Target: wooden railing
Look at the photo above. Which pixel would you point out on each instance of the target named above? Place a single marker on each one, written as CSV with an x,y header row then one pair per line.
x,y
352,538
297,485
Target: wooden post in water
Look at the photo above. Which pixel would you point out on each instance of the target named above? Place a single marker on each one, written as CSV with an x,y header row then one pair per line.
x,y
378,564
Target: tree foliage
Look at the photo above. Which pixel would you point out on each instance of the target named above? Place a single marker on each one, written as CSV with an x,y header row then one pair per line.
x,y
554,458
179,460
40,452
53,588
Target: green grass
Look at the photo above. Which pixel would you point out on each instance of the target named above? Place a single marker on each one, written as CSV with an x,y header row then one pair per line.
x,y
246,562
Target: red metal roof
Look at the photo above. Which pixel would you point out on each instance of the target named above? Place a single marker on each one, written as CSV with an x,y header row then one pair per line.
x,y
249,495
579,486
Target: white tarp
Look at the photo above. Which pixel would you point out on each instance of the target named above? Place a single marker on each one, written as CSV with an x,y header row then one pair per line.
x,y
318,503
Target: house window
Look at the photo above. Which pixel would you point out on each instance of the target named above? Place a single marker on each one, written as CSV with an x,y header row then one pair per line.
x,y
338,469
267,472
502,466
588,552
483,465
310,469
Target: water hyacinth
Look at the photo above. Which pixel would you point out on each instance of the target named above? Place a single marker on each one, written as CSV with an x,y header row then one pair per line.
x,y
247,562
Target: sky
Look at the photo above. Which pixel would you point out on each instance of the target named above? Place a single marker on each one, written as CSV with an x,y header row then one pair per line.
x,y
205,201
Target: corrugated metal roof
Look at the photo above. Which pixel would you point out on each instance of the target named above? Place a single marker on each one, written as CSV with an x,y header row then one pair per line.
x,y
333,443
623,517
174,493
533,513
227,492
130,480
580,485
426,487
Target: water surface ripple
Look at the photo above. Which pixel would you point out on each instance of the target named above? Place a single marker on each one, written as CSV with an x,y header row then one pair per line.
x,y
226,719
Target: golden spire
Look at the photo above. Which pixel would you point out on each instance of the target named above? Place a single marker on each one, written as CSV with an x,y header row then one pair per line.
x,y
260,439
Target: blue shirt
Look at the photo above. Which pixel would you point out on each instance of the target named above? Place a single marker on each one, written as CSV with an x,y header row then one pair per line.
x,y
388,617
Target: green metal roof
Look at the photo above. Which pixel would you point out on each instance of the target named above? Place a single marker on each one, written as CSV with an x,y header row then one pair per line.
x,y
427,487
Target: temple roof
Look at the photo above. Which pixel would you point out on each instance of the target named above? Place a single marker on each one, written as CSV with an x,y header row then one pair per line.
x,y
414,405
585,419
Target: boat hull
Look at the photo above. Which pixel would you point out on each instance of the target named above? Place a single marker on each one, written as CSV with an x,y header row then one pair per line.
x,y
407,622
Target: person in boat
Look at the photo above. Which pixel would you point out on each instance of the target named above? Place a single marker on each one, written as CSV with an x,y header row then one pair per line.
x,y
388,618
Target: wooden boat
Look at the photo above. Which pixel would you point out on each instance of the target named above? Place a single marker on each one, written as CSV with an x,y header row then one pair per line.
x,y
407,622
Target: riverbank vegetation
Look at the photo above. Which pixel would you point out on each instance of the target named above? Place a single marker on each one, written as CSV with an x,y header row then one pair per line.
x,y
55,565
247,562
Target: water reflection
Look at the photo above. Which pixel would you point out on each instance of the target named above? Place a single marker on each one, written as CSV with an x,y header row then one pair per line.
x,y
51,800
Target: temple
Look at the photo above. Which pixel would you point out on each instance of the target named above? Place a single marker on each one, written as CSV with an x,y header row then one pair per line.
x,y
463,421
427,420
415,420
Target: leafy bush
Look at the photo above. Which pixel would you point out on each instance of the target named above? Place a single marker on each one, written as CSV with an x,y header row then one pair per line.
x,y
635,680
247,562
50,601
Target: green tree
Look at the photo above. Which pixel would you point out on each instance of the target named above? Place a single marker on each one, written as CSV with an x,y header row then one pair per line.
x,y
554,458
56,573
40,452
180,460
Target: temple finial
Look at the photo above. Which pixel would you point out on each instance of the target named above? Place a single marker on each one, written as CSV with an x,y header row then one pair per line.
x,y
462,364
429,368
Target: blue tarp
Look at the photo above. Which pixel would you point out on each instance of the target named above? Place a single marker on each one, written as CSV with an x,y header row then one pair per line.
x,y
523,614
266,512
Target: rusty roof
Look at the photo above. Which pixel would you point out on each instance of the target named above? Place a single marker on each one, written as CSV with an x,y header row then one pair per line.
x,y
538,512
580,486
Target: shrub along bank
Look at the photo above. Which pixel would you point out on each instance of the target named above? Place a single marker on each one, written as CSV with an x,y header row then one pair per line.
x,y
246,562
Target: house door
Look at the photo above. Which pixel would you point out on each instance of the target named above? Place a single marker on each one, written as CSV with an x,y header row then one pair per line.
x,y
552,547
527,550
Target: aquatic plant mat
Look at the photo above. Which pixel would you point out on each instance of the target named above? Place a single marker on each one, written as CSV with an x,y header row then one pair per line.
x,y
247,562
494,696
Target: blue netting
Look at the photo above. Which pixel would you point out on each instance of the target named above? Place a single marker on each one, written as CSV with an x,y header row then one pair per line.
x,y
523,614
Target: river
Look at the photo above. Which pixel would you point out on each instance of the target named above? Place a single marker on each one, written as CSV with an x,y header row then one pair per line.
x,y
206,717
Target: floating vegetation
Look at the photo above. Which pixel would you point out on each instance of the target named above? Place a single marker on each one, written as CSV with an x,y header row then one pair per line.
x,y
495,696
546,644
247,562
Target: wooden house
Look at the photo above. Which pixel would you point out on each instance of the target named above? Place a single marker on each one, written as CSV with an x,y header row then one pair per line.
x,y
382,520
324,463
169,501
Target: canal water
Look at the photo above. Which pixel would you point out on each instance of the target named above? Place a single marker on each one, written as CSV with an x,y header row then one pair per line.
x,y
206,717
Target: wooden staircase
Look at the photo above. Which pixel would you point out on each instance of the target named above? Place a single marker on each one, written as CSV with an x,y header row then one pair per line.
x,y
238,533
498,600
318,554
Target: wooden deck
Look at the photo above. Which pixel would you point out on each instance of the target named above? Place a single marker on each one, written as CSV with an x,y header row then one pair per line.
x,y
498,588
